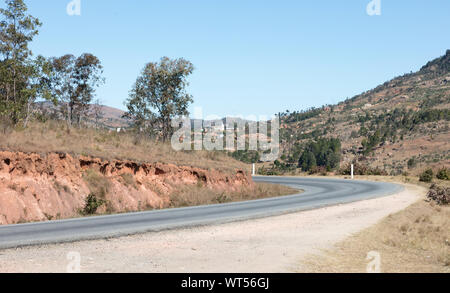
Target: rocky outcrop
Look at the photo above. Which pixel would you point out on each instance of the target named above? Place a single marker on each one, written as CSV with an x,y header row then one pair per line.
x,y
35,187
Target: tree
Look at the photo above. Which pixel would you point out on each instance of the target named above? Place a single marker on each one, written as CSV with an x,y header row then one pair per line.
x,y
159,95
17,29
97,112
74,83
63,86
39,84
139,111
87,75
307,160
321,153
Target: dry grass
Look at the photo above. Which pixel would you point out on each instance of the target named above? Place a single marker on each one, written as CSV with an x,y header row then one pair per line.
x,y
195,195
53,136
98,184
128,180
415,240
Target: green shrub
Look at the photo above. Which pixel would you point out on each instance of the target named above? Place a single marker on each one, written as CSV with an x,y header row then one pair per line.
x,y
412,163
318,170
246,156
268,171
443,174
321,153
92,203
362,169
426,176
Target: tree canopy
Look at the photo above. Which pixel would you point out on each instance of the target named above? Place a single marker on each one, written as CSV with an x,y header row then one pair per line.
x,y
159,95
17,29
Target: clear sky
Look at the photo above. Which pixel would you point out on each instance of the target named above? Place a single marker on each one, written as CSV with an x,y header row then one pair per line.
x,y
251,56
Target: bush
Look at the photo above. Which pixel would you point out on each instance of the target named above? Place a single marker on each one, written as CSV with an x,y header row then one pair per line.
x,y
362,169
443,174
412,163
246,156
92,203
426,176
268,171
439,194
318,170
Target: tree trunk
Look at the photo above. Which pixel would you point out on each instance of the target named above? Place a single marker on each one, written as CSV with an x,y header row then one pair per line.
x,y
69,116
25,123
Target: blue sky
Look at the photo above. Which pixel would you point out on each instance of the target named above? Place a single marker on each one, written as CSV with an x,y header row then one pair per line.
x,y
251,56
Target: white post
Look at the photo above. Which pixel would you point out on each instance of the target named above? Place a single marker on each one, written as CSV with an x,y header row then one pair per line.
x,y
254,170
352,171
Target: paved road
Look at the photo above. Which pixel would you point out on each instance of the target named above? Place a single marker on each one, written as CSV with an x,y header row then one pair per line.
x,y
317,193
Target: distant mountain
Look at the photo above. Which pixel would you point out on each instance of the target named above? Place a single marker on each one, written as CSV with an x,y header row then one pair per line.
x,y
399,126
112,118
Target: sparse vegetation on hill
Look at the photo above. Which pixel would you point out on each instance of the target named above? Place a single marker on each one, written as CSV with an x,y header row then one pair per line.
x,y
246,156
443,174
426,176
361,169
398,126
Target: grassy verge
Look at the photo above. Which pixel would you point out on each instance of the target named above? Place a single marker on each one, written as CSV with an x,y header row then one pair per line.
x,y
415,240
197,195
52,136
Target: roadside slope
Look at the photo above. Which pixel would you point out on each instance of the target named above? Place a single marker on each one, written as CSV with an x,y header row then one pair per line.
x,y
273,244
36,187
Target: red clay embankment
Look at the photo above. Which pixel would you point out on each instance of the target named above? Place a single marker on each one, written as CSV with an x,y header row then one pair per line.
x,y
36,187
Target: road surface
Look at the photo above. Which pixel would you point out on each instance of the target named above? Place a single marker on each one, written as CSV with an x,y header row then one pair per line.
x,y
317,193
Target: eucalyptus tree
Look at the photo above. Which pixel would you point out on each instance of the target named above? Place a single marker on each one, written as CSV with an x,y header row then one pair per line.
x,y
39,84
159,95
17,30
74,83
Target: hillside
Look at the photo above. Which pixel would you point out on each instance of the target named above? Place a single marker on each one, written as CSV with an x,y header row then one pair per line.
x,y
109,117
399,126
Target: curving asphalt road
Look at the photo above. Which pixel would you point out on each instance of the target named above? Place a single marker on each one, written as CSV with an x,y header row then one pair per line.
x,y
317,193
